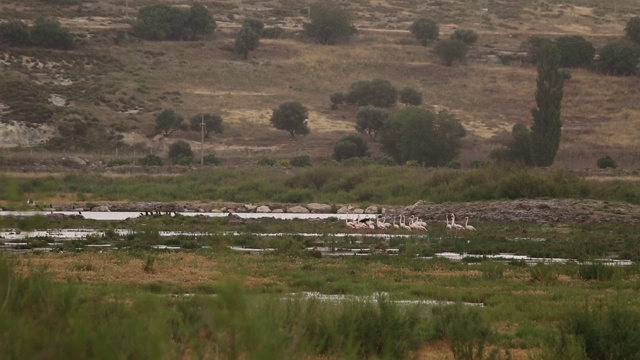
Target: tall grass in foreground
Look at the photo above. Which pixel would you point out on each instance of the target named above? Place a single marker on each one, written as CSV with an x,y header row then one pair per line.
x,y
395,185
40,318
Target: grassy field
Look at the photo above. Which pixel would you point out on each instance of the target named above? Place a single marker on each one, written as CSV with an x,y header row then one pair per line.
x,y
599,111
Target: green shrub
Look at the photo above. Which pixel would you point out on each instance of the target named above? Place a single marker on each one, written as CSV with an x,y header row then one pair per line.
x,y
619,58
575,51
450,51
151,160
543,273
266,161
180,148
492,271
15,32
275,32
300,161
632,30
211,159
182,160
454,164
410,96
465,328
596,271
606,162
47,32
467,36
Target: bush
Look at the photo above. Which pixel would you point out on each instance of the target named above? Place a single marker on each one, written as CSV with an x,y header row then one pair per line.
x,y
272,33
180,148
596,271
566,74
467,36
632,30
575,51
118,162
450,51
182,160
619,58
15,32
48,33
606,162
265,161
532,46
543,273
465,328
337,98
300,161
151,160
425,30
350,146
410,96
211,159
377,92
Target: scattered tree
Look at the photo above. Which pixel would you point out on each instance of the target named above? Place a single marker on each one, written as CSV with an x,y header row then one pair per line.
x,y
532,46
246,40
161,22
519,149
575,51
425,30
547,125
47,32
410,96
467,36
606,162
200,22
377,92
291,116
619,58
15,32
370,120
422,135
180,148
300,161
254,24
151,160
451,50
337,98
350,146
632,30
168,121
329,23
212,122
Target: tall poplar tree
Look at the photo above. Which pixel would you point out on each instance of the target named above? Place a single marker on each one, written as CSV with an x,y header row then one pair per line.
x,y
545,131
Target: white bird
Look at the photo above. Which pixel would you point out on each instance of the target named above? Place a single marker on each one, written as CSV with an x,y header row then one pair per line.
x,y
416,226
454,226
396,226
350,223
402,224
448,225
419,222
467,226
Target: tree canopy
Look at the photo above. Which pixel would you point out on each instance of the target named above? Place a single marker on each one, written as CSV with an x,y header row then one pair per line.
x,y
15,32
246,40
291,116
410,96
350,146
422,135
370,120
169,121
377,92
632,30
199,22
329,23
47,32
425,30
212,122
450,51
575,51
547,125
619,58
165,22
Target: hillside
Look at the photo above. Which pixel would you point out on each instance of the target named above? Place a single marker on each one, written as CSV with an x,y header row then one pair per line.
x,y
107,95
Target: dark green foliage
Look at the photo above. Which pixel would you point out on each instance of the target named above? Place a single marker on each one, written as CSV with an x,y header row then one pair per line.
x,y
519,149
329,23
212,122
337,98
547,125
450,51
47,32
275,32
370,120
350,146
609,331
632,30
151,160
566,74
619,58
180,148
467,36
211,159
254,24
15,32
431,139
377,92
543,273
410,96
161,22
266,162
606,162
425,30
575,51
246,40
169,121
300,161
199,23
291,116
532,46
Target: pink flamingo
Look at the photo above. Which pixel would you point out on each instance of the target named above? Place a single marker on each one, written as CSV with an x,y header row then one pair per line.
x,y
454,226
467,226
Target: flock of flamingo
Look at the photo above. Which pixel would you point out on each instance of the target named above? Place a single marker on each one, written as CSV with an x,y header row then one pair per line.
x,y
414,224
